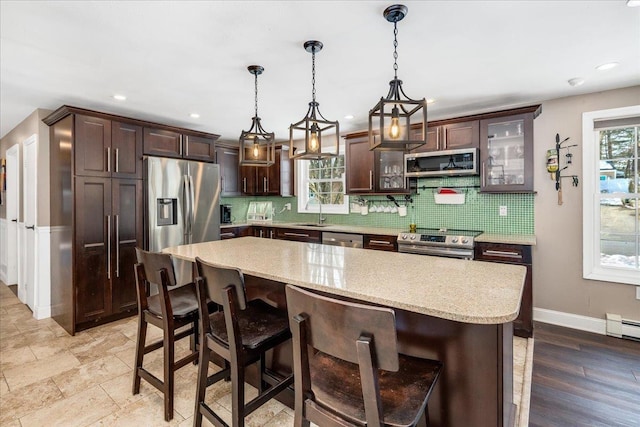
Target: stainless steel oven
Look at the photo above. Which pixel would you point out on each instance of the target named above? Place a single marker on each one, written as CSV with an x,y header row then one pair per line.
x,y
439,242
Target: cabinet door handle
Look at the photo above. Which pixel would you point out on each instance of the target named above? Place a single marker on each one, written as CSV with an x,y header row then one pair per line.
x,y
117,160
261,233
484,176
296,234
108,246
244,185
180,144
108,159
380,242
227,235
271,234
116,225
370,180
506,254
264,184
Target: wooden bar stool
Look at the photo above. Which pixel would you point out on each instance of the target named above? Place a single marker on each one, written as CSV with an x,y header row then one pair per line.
x,y
241,334
347,368
170,309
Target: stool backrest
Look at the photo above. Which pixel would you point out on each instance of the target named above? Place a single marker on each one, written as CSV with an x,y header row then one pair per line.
x,y
153,263
217,278
334,327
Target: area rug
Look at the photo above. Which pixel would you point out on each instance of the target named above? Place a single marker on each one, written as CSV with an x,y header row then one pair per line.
x,y
522,369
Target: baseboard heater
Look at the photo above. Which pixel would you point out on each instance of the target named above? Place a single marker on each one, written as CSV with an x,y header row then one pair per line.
x,y
623,328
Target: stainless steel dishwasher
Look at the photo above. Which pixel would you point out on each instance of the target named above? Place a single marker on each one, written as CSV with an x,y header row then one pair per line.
x,y
342,239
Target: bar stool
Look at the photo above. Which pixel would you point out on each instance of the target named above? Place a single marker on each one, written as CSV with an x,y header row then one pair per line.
x,y
353,374
170,309
241,334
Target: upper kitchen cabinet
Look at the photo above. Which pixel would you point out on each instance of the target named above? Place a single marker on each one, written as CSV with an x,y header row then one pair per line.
x,y
450,135
506,152
370,172
274,180
107,148
179,144
228,158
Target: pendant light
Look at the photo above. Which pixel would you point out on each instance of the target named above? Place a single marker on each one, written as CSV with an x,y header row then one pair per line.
x,y
257,146
393,122
317,130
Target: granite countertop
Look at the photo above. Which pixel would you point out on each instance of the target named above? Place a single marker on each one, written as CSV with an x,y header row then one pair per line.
x,y
516,239
460,290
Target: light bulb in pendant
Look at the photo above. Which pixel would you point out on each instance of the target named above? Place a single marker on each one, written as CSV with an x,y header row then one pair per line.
x,y
313,143
256,148
394,129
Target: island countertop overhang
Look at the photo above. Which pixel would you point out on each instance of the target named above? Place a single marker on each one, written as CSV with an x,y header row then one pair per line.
x,y
459,290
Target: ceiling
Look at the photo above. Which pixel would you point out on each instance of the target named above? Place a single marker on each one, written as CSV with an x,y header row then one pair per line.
x,y
173,58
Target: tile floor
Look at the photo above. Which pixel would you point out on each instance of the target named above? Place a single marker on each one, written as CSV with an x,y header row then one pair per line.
x,y
48,378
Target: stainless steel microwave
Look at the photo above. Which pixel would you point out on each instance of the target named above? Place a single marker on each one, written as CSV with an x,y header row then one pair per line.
x,y
463,161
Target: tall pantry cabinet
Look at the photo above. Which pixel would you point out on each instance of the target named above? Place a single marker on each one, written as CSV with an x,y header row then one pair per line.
x,y
96,214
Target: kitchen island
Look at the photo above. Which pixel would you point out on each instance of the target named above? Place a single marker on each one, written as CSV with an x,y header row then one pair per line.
x,y
455,311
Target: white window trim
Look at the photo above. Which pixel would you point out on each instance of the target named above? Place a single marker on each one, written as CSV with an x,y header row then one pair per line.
x,y
302,171
591,269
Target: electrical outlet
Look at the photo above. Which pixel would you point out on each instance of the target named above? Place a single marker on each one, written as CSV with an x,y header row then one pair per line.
x,y
637,292
503,211
288,206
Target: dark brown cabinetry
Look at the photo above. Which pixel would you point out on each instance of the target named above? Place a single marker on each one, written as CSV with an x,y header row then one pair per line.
x,y
228,159
447,135
179,144
233,232
370,172
107,148
381,242
520,255
108,215
274,180
96,199
299,235
506,153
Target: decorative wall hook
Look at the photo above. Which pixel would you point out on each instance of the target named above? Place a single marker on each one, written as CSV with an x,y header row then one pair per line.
x,y
554,167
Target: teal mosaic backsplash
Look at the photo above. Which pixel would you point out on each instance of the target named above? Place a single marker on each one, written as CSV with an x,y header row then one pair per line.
x,y
479,212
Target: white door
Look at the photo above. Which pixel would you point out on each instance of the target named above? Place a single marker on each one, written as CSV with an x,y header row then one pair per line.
x,y
29,198
11,247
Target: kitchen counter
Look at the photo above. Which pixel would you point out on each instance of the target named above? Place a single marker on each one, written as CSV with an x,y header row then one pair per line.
x,y
459,290
515,239
456,311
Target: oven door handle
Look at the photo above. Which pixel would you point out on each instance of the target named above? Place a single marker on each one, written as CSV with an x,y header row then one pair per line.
x,y
454,253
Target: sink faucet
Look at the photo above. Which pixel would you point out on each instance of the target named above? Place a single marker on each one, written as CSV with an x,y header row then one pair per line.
x,y
321,219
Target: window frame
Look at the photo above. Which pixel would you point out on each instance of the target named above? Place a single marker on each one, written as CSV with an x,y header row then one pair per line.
x,y
302,179
592,268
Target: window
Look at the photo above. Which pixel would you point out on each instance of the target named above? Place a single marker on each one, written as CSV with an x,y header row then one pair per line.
x,y
322,182
611,195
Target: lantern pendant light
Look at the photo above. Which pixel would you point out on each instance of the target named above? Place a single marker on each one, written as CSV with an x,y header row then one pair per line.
x,y
397,122
317,130
257,146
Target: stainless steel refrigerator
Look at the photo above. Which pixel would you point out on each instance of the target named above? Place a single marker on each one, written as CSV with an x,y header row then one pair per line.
x,y
182,205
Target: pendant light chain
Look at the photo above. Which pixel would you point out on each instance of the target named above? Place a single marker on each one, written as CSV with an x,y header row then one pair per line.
x,y
313,74
256,93
395,48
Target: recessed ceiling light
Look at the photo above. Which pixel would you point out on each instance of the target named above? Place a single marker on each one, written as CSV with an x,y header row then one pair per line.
x,y
194,115
607,66
119,97
633,3
430,101
349,117
576,81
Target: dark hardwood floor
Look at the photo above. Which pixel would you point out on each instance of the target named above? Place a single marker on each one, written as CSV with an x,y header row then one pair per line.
x,y
584,379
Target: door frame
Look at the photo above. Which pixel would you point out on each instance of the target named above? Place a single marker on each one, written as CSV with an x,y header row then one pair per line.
x,y
31,294
12,246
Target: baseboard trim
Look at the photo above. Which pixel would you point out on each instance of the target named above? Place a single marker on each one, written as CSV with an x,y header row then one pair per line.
x,y
569,320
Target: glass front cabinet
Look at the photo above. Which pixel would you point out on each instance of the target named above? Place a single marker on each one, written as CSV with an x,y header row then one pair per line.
x,y
506,154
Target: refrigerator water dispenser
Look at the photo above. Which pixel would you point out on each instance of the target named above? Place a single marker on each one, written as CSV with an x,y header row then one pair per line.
x,y
167,211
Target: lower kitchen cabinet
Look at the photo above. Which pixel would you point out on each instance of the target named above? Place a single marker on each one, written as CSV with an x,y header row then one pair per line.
x,y
299,235
519,255
381,242
233,232
108,225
